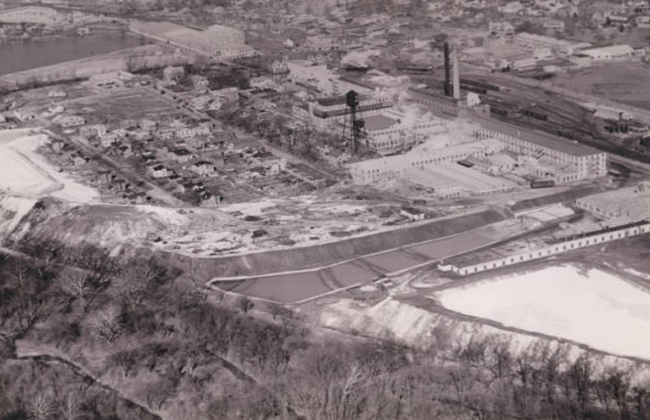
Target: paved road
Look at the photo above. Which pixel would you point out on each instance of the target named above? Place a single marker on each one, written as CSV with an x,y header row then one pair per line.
x,y
298,287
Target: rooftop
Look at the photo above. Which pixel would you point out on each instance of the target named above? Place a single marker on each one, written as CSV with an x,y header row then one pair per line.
x,y
612,49
450,175
537,137
379,122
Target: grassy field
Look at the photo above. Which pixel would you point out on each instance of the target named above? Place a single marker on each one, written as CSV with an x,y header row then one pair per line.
x,y
625,82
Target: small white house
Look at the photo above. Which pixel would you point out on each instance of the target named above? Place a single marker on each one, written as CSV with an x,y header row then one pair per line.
x,y
412,214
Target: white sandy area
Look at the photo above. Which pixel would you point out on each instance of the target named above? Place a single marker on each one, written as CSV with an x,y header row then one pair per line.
x,y
12,211
26,173
249,209
167,215
638,273
591,307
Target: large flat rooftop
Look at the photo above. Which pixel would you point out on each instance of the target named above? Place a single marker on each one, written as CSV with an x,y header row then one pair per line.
x,y
537,137
452,175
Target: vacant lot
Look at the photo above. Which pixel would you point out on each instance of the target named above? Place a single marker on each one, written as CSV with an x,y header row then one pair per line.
x,y
123,104
623,82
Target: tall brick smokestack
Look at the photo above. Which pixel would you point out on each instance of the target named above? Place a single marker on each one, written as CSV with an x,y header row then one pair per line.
x,y
447,70
456,71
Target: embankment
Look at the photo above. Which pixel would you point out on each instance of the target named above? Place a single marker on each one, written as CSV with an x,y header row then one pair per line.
x,y
325,254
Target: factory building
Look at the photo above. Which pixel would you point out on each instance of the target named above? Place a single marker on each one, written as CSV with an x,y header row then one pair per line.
x,y
34,14
451,180
421,157
534,42
611,53
544,156
620,206
389,133
567,161
330,113
442,106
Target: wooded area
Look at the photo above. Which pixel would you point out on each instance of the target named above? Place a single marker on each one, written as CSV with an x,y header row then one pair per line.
x,y
84,336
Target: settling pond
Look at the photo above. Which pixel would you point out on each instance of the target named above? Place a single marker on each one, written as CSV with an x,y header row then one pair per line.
x,y
588,306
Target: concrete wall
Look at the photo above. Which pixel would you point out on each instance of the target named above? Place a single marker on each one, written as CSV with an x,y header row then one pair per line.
x,y
550,250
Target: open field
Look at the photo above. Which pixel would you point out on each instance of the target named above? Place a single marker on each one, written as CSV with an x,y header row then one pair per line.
x,y
27,173
623,82
120,105
589,306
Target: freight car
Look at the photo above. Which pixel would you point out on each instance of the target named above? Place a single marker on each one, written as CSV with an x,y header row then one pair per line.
x,y
475,89
479,84
499,111
542,183
534,114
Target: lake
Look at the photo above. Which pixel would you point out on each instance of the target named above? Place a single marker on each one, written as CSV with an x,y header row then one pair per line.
x,y
28,55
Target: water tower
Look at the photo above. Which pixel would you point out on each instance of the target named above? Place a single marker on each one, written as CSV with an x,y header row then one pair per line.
x,y
354,128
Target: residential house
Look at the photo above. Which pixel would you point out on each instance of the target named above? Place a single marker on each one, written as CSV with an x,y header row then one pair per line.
x,y
79,160
57,93
55,109
511,7
181,155
57,144
501,28
110,80
278,66
147,124
173,73
412,214
203,168
100,130
108,139
159,171
166,134
125,150
71,121
230,94
185,132
200,82
121,132
643,21
275,166
261,83
554,25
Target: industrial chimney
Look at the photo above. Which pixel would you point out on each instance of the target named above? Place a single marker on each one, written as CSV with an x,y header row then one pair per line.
x,y
447,70
456,73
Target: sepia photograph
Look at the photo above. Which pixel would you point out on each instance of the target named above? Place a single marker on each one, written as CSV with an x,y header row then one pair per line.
x,y
324,209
